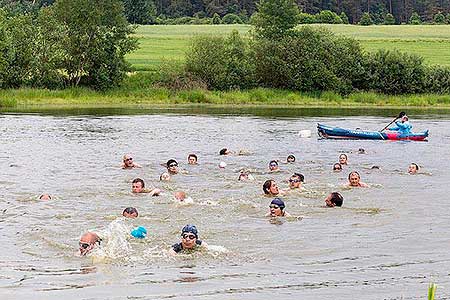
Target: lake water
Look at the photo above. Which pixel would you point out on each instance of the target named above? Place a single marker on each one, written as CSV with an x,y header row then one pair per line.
x,y
388,241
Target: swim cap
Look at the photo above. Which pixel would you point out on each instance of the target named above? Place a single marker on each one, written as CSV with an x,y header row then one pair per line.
x,y
222,164
279,202
139,232
190,229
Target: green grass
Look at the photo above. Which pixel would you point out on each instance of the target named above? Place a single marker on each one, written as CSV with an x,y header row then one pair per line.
x,y
169,42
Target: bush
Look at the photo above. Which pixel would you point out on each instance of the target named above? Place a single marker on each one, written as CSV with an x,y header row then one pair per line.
x,y
366,19
231,19
344,18
328,17
415,19
304,18
389,19
221,63
447,19
395,72
439,18
437,80
216,19
313,60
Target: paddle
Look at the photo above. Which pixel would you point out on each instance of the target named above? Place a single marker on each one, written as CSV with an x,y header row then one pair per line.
x,y
402,113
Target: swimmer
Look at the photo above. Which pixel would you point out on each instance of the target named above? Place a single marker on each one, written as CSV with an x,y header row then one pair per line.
x,y
361,151
181,197
276,209
222,165
337,167
192,159
290,158
224,151
138,186
87,243
413,168
245,176
165,177
334,199
343,159
296,180
270,188
128,162
130,212
354,180
189,240
45,197
172,166
273,166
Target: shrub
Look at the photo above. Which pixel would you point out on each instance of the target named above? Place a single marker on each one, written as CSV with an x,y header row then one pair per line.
x,y
439,18
415,19
305,18
231,19
366,19
221,63
389,19
216,19
328,17
447,19
313,60
437,80
395,72
344,18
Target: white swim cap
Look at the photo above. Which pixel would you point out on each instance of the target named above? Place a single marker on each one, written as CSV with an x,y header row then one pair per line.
x,y
222,164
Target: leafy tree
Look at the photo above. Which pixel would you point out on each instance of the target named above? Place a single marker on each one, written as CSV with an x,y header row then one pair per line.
x,y
305,18
389,19
415,19
344,18
140,11
366,20
231,19
97,39
328,17
439,18
216,19
275,18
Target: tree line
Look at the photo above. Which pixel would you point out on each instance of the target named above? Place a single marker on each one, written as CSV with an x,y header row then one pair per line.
x,y
156,11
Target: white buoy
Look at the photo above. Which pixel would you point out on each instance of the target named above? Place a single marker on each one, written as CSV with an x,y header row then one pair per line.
x,y
305,133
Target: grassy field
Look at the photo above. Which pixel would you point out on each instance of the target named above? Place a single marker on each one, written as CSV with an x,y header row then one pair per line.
x,y
169,42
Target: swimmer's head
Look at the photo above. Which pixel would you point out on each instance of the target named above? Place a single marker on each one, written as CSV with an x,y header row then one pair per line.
x,y
190,229
224,151
270,187
405,118
127,160
343,159
334,199
164,176
273,165
354,178
413,168
375,168
137,185
180,195
222,164
192,159
291,158
87,242
276,207
172,166
130,212
243,177
361,151
296,180
45,197
337,167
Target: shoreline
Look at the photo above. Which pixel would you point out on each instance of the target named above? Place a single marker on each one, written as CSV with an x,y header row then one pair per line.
x,y
139,97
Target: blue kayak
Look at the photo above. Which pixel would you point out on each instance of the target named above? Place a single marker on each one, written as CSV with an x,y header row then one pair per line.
x,y
329,132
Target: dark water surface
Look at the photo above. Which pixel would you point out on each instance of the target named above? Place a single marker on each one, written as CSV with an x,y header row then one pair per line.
x,y
388,241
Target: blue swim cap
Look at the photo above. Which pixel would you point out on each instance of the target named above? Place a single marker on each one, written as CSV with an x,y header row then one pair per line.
x,y
190,229
279,202
139,232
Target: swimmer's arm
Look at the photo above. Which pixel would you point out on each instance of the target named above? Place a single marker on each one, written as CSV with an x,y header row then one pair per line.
x,y
363,184
135,165
288,215
171,252
155,192
204,245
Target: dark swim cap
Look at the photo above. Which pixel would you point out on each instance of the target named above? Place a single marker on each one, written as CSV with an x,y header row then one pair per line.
x,y
279,202
190,229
